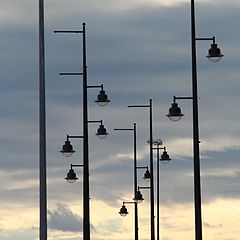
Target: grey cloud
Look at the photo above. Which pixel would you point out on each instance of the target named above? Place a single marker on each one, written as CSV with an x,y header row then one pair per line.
x,y
63,219
207,225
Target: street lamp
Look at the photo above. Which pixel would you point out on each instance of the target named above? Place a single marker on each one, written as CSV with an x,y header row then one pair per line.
x,y
165,156
147,174
123,210
165,159
71,175
214,55
175,113
101,132
151,164
101,99
67,148
138,197
136,193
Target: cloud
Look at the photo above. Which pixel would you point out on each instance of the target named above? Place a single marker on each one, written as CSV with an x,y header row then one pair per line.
x,y
212,226
22,234
111,226
139,50
63,219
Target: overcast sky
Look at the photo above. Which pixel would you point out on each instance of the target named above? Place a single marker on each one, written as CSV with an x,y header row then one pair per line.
x,y
138,50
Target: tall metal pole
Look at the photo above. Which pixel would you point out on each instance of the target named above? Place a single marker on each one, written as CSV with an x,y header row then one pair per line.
x,y
197,182
151,166
135,178
158,193
135,185
151,170
42,128
86,208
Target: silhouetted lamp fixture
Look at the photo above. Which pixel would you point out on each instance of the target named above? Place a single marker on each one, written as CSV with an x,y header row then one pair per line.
x,y
101,132
67,149
123,211
147,176
214,53
71,176
102,98
165,157
175,113
138,197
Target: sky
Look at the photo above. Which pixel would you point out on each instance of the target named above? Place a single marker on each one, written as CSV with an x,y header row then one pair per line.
x,y
139,50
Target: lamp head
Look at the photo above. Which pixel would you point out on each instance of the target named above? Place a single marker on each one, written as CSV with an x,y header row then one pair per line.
x,y
101,132
102,98
67,149
214,53
71,176
138,197
165,157
175,113
123,211
147,176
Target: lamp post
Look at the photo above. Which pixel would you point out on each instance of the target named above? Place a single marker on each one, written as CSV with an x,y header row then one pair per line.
x,y
103,99
134,171
165,159
151,164
42,129
214,55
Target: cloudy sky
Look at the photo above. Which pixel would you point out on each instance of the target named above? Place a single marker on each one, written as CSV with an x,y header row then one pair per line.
x,y
138,50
